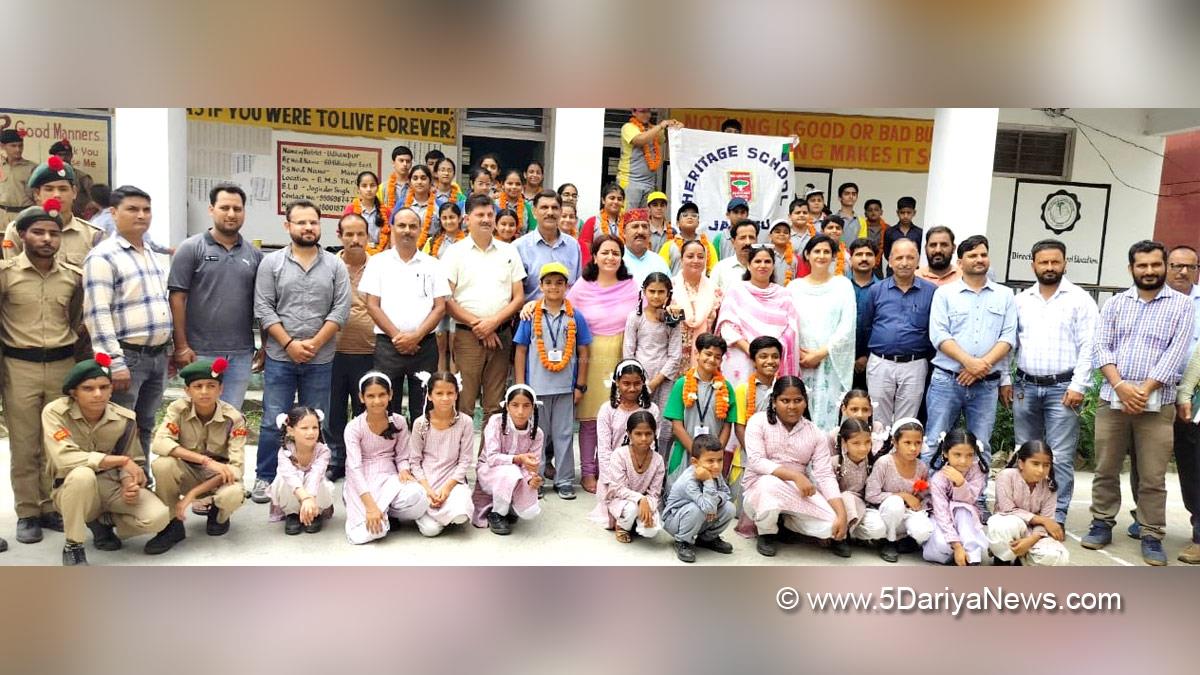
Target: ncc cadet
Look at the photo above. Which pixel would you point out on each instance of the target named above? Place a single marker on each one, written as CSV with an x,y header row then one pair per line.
x,y
14,175
56,179
40,312
83,180
200,445
97,458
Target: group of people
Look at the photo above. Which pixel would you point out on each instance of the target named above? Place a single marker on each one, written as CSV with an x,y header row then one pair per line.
x,y
804,378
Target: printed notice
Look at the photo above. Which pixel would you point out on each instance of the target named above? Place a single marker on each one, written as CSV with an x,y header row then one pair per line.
x,y
321,173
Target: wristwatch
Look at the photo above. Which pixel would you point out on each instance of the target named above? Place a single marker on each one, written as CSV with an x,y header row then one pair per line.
x,y
582,388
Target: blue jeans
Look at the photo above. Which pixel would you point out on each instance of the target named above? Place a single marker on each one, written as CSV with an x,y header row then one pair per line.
x,y
284,384
1039,415
145,393
946,399
237,376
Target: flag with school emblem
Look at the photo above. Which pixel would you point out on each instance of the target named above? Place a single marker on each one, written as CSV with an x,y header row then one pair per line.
x,y
710,168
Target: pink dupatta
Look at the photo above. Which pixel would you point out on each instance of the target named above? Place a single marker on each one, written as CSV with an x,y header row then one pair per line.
x,y
605,309
752,312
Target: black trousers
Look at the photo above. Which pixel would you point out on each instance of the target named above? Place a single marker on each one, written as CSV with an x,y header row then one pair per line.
x,y
343,390
403,369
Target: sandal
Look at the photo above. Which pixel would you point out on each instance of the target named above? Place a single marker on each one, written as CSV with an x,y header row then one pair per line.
x,y
623,536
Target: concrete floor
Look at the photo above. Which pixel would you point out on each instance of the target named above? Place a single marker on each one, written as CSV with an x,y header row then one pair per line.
x,y
561,536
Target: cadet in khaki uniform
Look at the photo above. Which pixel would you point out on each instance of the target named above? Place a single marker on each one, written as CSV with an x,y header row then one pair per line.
x,y
93,448
55,179
83,180
40,310
201,443
14,175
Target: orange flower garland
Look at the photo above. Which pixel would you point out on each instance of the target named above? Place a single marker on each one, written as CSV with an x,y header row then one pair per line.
x,y
751,394
568,348
652,150
430,209
691,388
840,270
437,242
455,191
601,225
789,260
708,264
520,210
389,193
385,235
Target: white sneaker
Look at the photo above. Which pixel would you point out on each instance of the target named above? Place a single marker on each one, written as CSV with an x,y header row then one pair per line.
x,y
428,526
258,494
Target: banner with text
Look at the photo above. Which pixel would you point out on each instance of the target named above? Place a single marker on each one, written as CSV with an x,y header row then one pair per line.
x,y
425,124
90,137
710,168
322,173
832,141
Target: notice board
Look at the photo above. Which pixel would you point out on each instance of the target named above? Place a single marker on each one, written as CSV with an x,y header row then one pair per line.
x,y
321,173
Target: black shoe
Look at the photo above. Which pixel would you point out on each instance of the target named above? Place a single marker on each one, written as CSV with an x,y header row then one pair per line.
x,y
715,544
512,516
162,542
566,492
996,562
393,523
889,552
766,545
498,524
685,552
29,531
214,528
841,547
316,525
335,473
73,555
103,537
907,545
51,521
542,491
3,545
292,524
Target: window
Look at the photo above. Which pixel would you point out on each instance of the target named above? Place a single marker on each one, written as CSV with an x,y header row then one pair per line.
x,y
1034,152
521,119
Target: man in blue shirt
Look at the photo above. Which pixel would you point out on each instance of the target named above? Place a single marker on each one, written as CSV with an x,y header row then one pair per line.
x,y
895,312
547,244
973,326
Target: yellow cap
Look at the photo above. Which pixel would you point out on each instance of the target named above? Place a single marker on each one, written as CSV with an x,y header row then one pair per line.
x,y
553,268
650,198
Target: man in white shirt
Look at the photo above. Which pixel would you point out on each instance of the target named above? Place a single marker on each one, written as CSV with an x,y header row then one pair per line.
x,y
729,271
1056,321
406,293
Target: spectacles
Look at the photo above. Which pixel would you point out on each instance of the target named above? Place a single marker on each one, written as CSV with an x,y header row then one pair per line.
x,y
1177,267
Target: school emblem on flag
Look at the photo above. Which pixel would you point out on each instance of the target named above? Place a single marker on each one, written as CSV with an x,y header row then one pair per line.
x,y
741,184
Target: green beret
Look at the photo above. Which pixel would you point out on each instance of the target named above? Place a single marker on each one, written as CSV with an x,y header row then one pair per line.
x,y
51,170
204,369
86,370
51,210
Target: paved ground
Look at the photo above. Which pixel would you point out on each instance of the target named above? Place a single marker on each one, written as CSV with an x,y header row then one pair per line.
x,y
562,536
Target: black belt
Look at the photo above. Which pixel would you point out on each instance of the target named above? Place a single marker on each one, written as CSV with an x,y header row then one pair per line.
x,y
499,329
38,355
901,359
151,350
1046,380
986,378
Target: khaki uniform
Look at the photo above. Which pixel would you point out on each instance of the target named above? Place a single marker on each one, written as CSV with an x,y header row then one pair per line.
x,y
37,312
14,187
222,438
78,237
82,491
83,184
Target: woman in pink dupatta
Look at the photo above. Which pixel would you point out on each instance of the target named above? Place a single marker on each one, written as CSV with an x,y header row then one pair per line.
x,y
695,294
753,308
606,295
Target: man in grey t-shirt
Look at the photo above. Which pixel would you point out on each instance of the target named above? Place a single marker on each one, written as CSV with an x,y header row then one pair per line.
x,y
212,293
302,299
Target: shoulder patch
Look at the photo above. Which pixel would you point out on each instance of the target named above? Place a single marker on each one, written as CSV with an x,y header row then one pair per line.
x,y
9,243
61,434
173,428
239,432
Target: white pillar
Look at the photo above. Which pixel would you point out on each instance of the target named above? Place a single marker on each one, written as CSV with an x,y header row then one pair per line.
x,y
150,152
578,138
960,170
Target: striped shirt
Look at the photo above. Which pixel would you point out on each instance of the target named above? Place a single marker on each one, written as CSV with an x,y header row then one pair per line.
x,y
1055,336
1145,340
124,298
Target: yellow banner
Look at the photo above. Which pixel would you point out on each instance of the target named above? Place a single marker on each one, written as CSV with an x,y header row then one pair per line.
x,y
425,124
831,141
90,137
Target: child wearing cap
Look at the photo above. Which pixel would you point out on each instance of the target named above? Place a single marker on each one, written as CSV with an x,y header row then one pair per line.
x,y
558,336
688,220
660,228
200,444
96,458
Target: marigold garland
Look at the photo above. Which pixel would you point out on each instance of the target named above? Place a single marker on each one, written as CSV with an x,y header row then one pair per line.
x,y
840,270
600,225
568,348
503,201
653,159
691,388
389,193
436,243
385,235
430,209
708,263
455,192
789,261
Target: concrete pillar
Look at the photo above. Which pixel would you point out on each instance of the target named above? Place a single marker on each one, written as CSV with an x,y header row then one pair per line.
x,y
150,152
577,140
960,170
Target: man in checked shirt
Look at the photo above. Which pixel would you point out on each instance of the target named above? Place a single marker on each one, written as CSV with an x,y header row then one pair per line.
x,y
126,310
1142,340
1056,321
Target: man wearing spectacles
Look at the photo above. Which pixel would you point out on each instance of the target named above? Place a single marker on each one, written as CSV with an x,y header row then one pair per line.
x,y
1181,276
